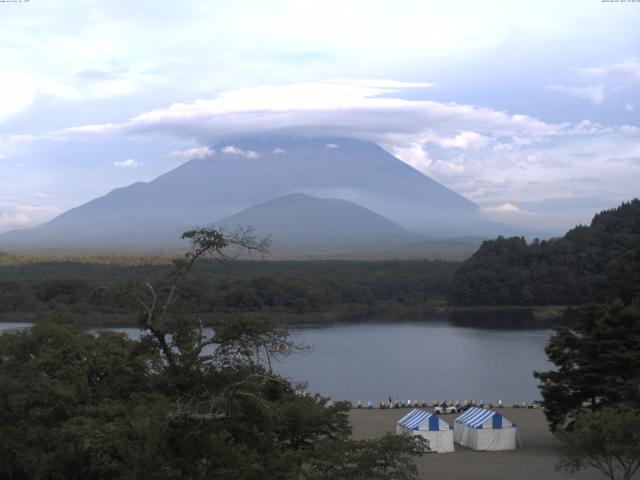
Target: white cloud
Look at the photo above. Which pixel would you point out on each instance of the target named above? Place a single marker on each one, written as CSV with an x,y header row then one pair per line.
x,y
490,156
413,154
17,91
3,157
628,70
364,111
595,94
10,221
331,146
504,208
513,214
192,153
19,213
451,169
26,210
110,88
20,88
611,78
61,52
382,83
231,150
17,138
462,141
628,107
278,151
129,163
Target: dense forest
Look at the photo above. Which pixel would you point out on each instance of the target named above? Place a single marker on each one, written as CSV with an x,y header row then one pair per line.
x,y
288,290
589,264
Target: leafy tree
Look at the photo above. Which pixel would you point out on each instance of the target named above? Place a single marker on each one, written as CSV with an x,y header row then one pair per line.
x,y
388,457
598,363
607,440
182,402
68,400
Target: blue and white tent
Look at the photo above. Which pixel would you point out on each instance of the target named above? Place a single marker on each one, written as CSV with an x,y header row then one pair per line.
x,y
482,429
431,427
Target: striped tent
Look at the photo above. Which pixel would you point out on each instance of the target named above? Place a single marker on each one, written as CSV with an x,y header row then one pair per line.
x,y
431,427
482,429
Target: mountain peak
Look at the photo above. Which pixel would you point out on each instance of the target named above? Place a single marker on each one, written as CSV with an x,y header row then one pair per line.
x,y
250,170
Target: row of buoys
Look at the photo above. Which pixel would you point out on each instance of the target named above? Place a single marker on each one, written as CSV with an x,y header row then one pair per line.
x,y
439,406
397,403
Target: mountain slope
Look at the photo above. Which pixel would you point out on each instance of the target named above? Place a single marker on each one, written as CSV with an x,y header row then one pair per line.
x,y
252,170
205,190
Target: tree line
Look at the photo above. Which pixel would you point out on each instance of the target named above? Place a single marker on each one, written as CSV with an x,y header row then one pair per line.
x,y
228,287
588,264
591,397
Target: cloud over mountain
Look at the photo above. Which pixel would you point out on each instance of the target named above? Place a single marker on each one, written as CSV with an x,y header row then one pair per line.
x,y
367,110
488,155
192,153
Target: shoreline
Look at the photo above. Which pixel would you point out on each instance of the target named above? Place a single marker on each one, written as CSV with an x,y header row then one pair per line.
x,y
537,316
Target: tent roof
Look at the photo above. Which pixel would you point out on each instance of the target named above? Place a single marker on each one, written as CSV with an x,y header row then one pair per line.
x,y
475,417
417,417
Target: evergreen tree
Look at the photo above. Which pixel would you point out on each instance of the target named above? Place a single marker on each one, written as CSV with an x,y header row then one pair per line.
x,y
589,264
598,363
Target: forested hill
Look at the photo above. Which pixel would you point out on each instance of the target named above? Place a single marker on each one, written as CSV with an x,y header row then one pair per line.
x,y
588,264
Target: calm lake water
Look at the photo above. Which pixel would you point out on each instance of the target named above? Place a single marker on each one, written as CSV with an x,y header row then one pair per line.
x,y
442,357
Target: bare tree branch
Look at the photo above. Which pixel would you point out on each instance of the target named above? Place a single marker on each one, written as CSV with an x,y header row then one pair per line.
x,y
204,242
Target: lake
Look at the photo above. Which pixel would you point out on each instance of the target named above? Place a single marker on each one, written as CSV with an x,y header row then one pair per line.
x,y
435,358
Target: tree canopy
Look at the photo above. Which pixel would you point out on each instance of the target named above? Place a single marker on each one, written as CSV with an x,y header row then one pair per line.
x,y
181,402
597,363
607,440
589,264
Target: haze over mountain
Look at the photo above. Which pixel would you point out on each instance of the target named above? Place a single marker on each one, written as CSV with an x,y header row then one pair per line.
x,y
309,223
244,172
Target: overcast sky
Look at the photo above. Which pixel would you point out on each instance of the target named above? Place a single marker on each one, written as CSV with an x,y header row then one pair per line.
x,y
530,109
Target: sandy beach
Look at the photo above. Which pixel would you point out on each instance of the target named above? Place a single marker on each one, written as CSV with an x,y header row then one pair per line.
x,y
535,461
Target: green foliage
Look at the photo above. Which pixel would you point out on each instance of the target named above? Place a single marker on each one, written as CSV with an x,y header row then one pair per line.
x,y
91,290
588,264
67,401
625,280
598,363
176,404
607,440
81,406
386,458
